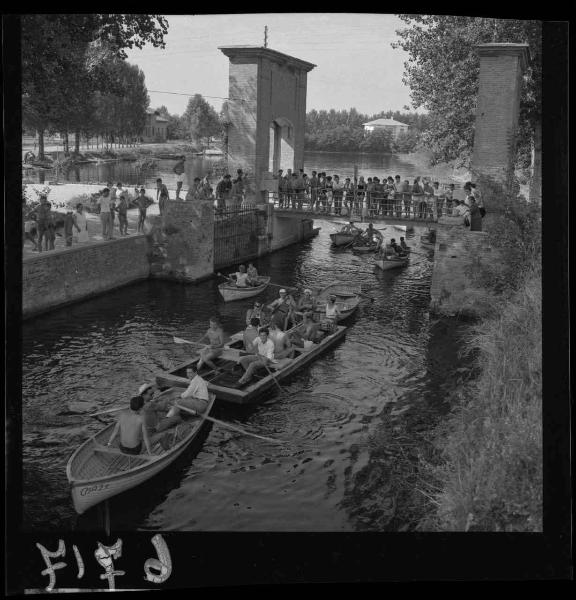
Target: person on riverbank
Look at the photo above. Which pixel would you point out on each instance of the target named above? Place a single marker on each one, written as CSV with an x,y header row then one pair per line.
x,y
42,211
81,223
359,203
264,355
162,195
215,347
236,193
449,198
223,189
104,203
31,231
475,216
69,224
143,202
122,210
132,430
180,173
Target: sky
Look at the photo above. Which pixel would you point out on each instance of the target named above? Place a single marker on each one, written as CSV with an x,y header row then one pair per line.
x,y
356,65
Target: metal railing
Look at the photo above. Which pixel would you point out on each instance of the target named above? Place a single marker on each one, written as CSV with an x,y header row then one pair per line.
x,y
365,203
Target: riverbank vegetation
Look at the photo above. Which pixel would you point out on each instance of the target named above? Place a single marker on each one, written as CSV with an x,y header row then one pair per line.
x,y
487,475
343,131
443,75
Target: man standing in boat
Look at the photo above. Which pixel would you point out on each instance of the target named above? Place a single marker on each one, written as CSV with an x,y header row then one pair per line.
x,y
132,429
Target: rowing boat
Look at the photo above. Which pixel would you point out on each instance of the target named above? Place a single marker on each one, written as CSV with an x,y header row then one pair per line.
x,y
347,299
224,383
365,249
425,241
341,239
391,262
97,472
229,291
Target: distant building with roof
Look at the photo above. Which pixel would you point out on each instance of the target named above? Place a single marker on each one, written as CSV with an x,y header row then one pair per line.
x,y
391,125
156,128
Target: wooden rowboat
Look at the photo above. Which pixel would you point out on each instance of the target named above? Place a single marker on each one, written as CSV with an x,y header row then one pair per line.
x,y
365,249
391,263
97,472
229,291
341,239
224,383
347,299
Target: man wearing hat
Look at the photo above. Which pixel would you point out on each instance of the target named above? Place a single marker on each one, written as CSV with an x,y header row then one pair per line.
x,y
282,308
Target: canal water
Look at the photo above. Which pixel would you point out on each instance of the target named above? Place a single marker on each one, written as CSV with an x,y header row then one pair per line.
x,y
129,173
355,424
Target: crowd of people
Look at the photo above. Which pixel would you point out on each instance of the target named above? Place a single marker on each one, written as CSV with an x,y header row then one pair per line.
x,y
423,199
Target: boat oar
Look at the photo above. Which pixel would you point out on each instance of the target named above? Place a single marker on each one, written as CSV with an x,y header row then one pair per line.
x,y
178,340
224,424
286,287
110,410
226,277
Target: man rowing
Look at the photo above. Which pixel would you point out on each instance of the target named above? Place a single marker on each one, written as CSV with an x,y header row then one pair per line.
x,y
399,251
132,429
215,346
241,277
372,236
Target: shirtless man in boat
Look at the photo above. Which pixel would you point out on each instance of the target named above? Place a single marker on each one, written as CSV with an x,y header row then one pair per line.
x,y
132,429
215,336
281,340
306,302
307,331
372,236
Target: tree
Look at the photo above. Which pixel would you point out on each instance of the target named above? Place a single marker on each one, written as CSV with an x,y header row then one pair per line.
x,y
378,140
65,58
443,71
200,119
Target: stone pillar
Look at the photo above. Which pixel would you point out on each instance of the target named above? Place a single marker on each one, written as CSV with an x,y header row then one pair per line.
x,y
500,86
183,241
267,112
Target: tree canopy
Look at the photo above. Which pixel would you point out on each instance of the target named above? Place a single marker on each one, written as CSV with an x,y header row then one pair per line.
x,y
71,61
200,119
443,73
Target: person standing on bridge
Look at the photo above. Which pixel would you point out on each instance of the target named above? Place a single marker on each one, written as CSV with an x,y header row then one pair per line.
x,y
338,191
475,216
223,189
313,183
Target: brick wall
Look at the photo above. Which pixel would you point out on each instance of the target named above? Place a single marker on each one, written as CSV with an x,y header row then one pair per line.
x,y
500,86
461,259
50,280
183,241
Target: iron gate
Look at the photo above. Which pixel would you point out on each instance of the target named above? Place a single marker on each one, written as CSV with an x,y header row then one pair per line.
x,y
236,232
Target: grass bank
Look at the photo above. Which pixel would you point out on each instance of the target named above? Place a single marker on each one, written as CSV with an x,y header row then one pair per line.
x,y
487,471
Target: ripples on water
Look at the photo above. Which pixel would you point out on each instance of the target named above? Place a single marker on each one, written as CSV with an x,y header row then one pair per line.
x,y
338,418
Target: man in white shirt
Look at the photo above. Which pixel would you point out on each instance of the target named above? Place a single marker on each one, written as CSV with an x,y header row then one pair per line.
x,y
241,277
195,396
264,354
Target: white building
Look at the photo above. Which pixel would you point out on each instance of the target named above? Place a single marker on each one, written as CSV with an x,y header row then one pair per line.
x,y
394,127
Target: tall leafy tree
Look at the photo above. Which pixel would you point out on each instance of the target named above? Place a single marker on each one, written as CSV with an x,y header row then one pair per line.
x,y
64,59
200,119
443,72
